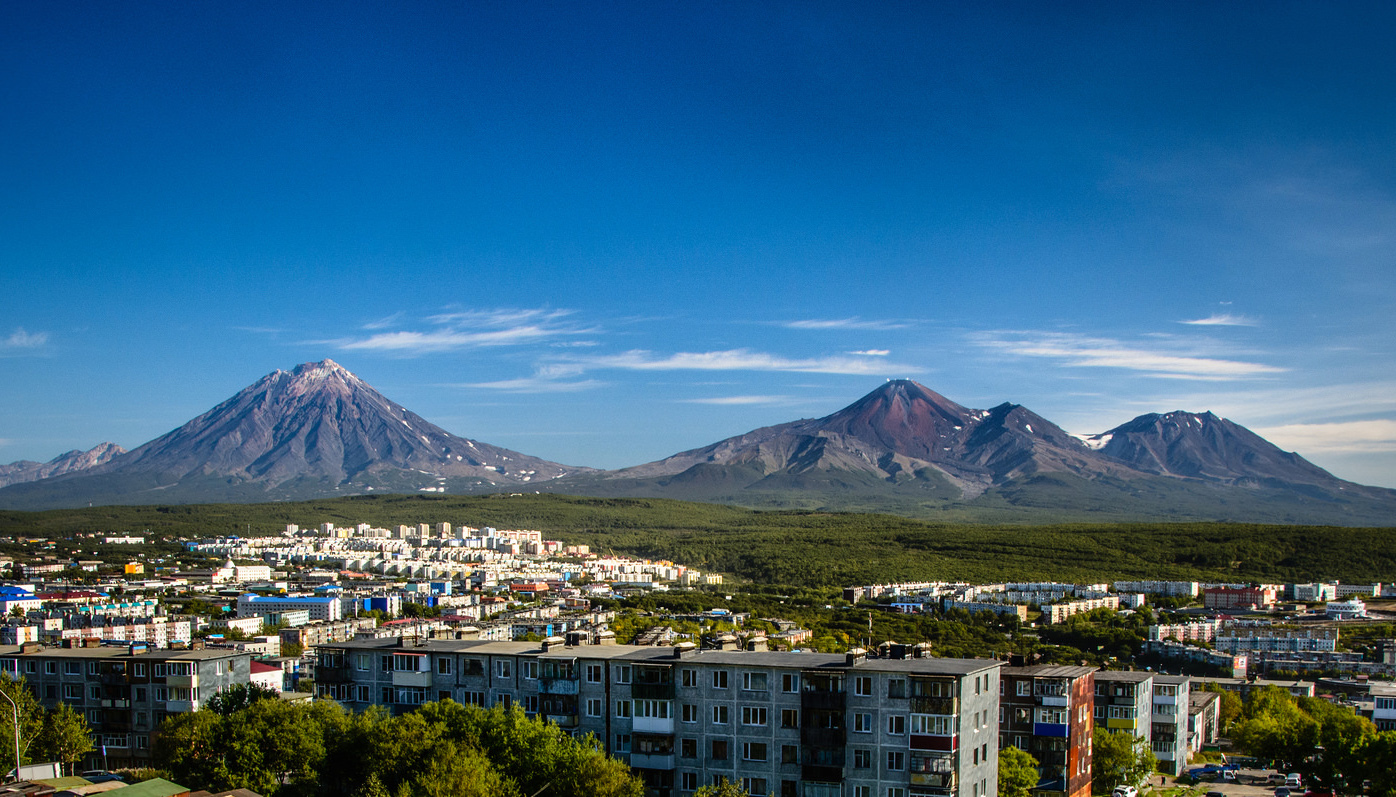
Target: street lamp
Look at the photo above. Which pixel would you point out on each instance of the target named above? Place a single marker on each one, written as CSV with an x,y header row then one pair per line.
x,y
14,706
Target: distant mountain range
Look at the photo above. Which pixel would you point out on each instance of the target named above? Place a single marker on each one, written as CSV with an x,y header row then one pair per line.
x,y
27,471
903,448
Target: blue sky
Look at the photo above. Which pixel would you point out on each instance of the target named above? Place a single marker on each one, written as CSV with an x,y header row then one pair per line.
x,y
604,235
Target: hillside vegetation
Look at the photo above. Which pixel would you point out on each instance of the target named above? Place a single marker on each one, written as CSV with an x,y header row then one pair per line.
x,y
800,547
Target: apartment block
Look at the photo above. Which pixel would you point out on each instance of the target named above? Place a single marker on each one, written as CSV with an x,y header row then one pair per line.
x,y
1046,711
125,692
1168,733
787,724
1124,703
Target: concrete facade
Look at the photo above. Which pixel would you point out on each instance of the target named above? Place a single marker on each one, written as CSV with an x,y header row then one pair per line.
x,y
806,724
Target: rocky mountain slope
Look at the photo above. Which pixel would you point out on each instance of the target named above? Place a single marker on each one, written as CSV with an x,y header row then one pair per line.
x,y
905,448
28,471
315,430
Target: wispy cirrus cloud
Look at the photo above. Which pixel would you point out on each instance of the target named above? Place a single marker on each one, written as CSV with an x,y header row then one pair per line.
x,y
872,352
20,340
844,323
743,360
1348,437
467,329
1082,351
729,401
1222,320
548,378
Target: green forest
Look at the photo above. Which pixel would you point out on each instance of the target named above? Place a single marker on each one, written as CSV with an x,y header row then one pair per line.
x,y
806,548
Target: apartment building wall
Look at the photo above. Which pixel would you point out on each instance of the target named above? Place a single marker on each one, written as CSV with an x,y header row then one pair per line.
x,y
1034,701
124,694
1169,732
1124,703
812,725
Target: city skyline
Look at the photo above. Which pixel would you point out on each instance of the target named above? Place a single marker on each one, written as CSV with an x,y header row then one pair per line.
x,y
602,236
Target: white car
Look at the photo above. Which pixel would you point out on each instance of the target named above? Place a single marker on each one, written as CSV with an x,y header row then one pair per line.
x,y
1125,791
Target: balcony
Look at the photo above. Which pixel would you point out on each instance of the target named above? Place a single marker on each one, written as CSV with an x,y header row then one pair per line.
x,y
1061,701
653,724
935,705
562,720
1051,759
821,774
332,675
641,691
1122,701
409,678
823,737
112,679
180,706
651,761
117,703
188,681
836,701
557,686
1057,730
936,780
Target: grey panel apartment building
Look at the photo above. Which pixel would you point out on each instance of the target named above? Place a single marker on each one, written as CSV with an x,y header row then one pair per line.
x,y
125,692
806,724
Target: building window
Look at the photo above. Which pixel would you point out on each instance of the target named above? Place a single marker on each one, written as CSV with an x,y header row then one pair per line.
x,y
73,668
896,791
623,674
862,723
862,759
94,692
443,665
896,760
688,781
503,668
719,750
688,712
1100,712
719,679
363,694
593,673
789,682
622,743
753,751
530,669
789,754
753,715
593,707
688,748
896,725
789,718
756,787
862,791
896,688
862,686
754,681
719,715
623,709
1025,689
71,692
653,709
139,669
689,678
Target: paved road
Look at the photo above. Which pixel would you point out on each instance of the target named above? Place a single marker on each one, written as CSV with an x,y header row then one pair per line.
x,y
1250,783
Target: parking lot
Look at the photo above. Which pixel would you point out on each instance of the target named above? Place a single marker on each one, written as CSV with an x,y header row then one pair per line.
x,y
1248,783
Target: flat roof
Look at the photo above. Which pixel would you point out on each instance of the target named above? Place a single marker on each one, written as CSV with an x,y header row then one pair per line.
x,y
1050,671
122,652
1122,675
665,655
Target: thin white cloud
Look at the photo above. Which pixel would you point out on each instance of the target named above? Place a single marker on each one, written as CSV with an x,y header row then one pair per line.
x,y
738,400
744,360
466,329
1081,351
19,339
872,352
535,384
843,323
1350,437
384,322
1222,320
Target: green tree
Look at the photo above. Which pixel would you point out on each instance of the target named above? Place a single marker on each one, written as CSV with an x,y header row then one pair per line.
x,y
65,737
1119,759
1017,772
31,719
238,697
723,788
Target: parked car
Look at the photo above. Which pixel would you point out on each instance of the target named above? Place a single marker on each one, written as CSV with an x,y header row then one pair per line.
x,y
1282,791
1216,794
1125,791
101,776
1292,780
